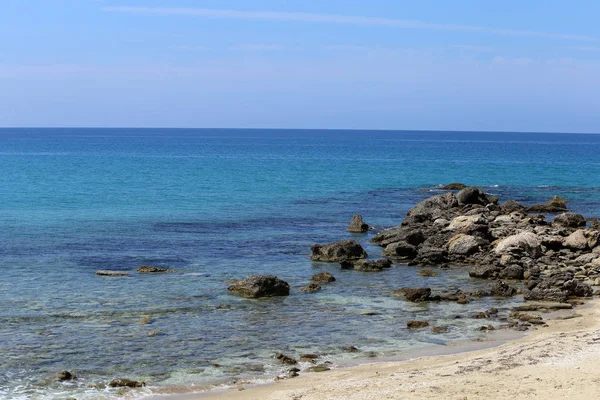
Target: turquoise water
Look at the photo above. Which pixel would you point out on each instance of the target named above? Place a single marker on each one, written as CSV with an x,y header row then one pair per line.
x,y
223,204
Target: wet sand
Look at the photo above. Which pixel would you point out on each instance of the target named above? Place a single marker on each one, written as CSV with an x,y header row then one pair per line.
x,y
555,362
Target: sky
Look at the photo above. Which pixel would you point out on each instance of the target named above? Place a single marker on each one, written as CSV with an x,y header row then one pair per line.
x,y
349,64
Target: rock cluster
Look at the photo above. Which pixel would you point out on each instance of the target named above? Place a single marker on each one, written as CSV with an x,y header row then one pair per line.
x,y
556,260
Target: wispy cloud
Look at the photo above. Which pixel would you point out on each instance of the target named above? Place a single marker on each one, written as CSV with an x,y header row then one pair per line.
x,y
342,19
258,47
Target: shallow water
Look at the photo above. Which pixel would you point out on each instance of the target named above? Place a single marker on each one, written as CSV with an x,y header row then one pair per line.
x,y
218,205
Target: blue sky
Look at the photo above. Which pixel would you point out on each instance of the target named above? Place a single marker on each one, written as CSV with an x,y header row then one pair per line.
x,y
377,64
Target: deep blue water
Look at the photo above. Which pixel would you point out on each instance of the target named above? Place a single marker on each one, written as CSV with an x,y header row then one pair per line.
x,y
223,204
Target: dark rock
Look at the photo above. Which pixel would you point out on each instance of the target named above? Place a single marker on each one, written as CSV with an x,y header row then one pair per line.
x,y
126,383
439,329
400,249
417,324
454,186
501,289
479,315
569,220
357,224
410,235
338,251
515,272
285,359
308,357
511,206
323,277
149,269
260,286
350,349
416,295
471,195
64,376
311,288
484,271
545,292
554,205
367,265
431,209
577,288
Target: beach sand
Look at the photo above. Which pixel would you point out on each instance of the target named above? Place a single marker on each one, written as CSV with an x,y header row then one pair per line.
x,y
555,362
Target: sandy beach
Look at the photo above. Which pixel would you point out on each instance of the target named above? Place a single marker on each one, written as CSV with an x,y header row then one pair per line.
x,y
554,362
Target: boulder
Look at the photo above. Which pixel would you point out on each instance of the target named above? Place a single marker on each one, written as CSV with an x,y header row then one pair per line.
x,y
484,271
554,205
577,288
582,239
64,376
464,245
367,265
311,288
468,224
323,277
432,208
511,206
285,359
260,286
400,249
501,289
454,186
543,291
408,234
126,383
471,195
338,251
439,329
569,220
524,243
416,295
146,269
514,272
357,224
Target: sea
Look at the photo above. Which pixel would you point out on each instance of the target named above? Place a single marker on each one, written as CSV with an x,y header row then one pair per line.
x,y
222,204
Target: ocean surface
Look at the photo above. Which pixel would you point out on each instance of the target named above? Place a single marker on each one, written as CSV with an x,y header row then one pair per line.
x,y
222,204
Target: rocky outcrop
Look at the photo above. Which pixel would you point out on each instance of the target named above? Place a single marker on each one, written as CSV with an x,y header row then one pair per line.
x,y
569,220
323,277
367,265
472,195
454,186
260,286
338,251
432,208
357,224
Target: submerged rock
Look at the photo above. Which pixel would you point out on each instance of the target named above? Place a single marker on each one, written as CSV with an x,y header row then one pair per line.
x,y
126,383
367,265
104,272
417,324
357,224
311,288
454,186
144,269
439,329
285,359
323,277
64,376
427,272
260,286
416,295
338,251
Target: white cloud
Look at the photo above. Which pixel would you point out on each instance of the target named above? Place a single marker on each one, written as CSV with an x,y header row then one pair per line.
x,y
341,19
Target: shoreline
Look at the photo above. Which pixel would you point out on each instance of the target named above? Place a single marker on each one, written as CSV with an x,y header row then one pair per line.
x,y
547,362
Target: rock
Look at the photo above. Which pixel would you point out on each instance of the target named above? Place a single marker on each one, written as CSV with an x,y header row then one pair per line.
x,y
431,209
546,292
148,269
468,224
401,250
308,357
408,234
454,186
524,243
484,271
427,272
311,288
350,349
64,376
439,329
112,273
416,295
464,245
318,368
126,383
511,206
285,359
549,306
556,204
323,277
578,289
479,315
569,220
338,251
582,239
501,289
417,324
357,224
471,195
514,272
367,265
260,286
